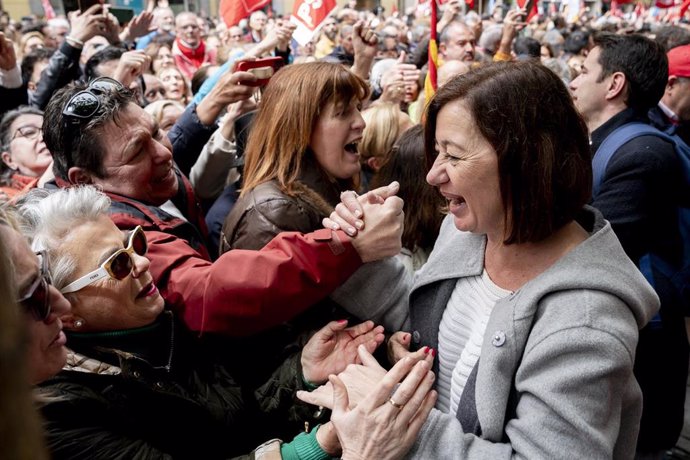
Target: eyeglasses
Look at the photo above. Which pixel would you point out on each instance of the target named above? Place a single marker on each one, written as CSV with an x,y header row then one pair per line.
x,y
28,132
86,103
118,266
37,299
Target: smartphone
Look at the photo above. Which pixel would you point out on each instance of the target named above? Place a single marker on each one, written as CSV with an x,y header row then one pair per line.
x,y
263,69
123,15
86,4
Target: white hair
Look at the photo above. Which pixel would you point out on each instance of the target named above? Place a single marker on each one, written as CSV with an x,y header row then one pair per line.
x,y
49,215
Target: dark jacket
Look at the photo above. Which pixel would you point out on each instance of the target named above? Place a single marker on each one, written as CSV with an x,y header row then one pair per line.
x,y
63,68
144,394
188,137
11,98
263,212
639,195
340,55
659,120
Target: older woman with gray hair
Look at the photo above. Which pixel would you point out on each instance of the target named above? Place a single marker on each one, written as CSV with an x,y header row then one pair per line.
x,y
136,383
25,157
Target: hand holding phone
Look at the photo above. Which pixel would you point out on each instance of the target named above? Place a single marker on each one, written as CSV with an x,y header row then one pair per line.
x,y
87,24
262,69
86,4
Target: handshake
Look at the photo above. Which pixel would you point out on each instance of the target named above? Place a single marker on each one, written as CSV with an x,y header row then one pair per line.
x,y
374,221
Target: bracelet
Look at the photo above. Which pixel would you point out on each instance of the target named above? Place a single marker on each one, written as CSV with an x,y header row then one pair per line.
x,y
76,41
310,386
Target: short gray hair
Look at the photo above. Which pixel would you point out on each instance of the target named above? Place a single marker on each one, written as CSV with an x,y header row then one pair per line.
x,y
49,215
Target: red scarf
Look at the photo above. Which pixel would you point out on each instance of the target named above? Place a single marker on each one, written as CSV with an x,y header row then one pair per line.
x,y
19,185
196,55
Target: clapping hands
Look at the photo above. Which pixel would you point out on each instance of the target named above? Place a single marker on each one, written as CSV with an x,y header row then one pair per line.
x,y
334,347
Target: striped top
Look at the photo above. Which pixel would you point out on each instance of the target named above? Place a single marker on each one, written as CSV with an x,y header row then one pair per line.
x,y
461,334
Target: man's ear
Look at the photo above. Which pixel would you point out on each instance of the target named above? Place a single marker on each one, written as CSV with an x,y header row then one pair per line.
x,y
77,175
7,159
617,85
31,86
442,49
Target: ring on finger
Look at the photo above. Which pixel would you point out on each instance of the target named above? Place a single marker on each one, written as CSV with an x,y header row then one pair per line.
x,y
395,404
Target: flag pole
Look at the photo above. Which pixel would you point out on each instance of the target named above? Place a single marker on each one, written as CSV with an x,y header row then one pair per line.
x,y
431,83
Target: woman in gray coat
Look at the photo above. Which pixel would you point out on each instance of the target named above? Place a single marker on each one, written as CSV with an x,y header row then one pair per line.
x,y
528,297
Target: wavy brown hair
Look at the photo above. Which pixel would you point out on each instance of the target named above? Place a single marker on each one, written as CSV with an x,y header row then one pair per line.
x,y
290,107
424,205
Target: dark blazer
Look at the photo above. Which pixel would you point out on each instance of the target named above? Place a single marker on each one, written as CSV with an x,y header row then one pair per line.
x,y
639,194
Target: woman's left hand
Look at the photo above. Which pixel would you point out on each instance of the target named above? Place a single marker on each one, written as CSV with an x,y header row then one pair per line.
x,y
386,423
332,348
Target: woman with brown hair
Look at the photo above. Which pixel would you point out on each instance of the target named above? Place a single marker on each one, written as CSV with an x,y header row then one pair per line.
x,y
301,153
529,298
423,205
161,56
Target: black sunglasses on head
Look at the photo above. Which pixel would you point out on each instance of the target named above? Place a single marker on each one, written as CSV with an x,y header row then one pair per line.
x,y
37,298
86,103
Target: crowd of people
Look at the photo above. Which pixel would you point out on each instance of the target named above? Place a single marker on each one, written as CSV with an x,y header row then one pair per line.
x,y
203,260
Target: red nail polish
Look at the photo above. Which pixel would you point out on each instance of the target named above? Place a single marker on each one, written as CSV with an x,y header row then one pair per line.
x,y
341,321
433,352
426,350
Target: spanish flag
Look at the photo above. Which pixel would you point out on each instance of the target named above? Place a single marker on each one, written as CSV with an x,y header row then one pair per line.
x,y
430,84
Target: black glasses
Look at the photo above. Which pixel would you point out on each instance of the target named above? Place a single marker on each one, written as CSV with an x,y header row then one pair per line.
x,y
37,298
86,103
28,131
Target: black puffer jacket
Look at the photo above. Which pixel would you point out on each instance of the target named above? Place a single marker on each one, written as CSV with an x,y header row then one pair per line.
x,y
147,394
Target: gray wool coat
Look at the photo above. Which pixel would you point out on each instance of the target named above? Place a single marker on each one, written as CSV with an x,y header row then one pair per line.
x,y
555,376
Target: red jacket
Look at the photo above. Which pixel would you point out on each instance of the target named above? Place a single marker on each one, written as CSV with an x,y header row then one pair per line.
x,y
243,292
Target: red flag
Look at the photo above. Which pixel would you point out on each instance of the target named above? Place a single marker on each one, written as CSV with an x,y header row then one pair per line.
x,y
48,10
233,11
526,4
431,82
308,15
684,8
664,3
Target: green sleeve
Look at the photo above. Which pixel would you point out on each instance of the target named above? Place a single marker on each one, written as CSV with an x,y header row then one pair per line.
x,y
304,447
